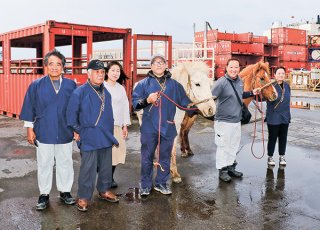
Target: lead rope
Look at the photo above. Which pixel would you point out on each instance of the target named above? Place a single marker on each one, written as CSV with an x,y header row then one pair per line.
x,y
159,104
260,109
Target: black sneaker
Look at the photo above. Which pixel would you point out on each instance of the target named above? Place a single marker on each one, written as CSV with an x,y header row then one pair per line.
x,y
42,202
67,198
114,184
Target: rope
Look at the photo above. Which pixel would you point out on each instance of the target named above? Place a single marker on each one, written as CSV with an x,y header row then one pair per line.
x,y
260,109
159,104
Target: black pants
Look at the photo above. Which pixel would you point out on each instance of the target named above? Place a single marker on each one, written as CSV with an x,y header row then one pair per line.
x,y
277,132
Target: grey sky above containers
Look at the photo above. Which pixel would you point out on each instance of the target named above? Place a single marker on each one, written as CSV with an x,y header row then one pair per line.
x,y
175,18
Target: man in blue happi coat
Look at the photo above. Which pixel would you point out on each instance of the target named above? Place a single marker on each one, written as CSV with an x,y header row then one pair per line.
x,y
146,96
90,115
44,112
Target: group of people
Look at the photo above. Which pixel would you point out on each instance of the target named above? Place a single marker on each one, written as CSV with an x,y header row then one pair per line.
x,y
56,113
228,119
96,115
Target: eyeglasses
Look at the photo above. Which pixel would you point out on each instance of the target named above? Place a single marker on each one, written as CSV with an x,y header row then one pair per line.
x,y
158,63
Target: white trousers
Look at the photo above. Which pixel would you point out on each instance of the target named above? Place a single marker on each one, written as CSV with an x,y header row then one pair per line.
x,y
227,139
46,155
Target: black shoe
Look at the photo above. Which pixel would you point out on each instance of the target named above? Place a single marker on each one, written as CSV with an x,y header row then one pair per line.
x,y
67,198
42,202
114,184
233,172
223,175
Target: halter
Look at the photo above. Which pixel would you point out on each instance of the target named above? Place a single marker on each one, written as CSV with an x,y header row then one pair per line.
x,y
189,89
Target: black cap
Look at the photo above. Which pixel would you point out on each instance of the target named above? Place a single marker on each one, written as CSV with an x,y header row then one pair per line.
x,y
95,64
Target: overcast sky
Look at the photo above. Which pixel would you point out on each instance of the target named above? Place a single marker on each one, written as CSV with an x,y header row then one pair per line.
x,y
174,17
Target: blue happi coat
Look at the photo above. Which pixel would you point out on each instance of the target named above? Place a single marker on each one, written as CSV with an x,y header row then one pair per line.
x,y
278,111
47,110
83,114
150,119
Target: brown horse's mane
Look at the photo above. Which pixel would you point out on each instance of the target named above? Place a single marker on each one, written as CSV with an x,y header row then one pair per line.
x,y
250,71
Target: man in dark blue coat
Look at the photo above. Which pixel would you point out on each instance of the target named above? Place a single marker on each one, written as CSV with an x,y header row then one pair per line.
x,y
158,127
44,112
90,115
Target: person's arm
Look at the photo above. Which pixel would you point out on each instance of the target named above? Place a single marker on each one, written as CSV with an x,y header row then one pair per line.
x,y
139,99
252,93
73,114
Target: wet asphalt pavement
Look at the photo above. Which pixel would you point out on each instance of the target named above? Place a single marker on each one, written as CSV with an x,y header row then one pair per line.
x,y
278,198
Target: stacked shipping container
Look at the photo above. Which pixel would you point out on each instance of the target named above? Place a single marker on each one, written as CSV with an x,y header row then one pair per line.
x,y
247,48
287,48
292,47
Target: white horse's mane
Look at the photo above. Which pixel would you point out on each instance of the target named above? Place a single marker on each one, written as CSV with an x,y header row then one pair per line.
x,y
182,70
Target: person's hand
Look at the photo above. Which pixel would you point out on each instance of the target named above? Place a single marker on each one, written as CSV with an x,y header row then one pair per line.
x,y
256,91
76,136
152,98
124,132
31,136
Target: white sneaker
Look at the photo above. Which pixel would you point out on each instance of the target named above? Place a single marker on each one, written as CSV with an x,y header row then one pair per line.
x,y
271,162
282,161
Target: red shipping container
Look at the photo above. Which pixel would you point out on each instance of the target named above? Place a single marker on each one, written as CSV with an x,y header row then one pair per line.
x,y
292,53
227,47
271,50
293,64
219,71
223,47
199,36
260,39
314,65
256,48
212,35
288,36
245,37
226,36
222,59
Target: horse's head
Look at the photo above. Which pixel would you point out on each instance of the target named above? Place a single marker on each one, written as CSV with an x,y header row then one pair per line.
x,y
193,76
258,76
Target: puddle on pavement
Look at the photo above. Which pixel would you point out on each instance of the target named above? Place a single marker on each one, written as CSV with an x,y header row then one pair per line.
x,y
305,105
133,195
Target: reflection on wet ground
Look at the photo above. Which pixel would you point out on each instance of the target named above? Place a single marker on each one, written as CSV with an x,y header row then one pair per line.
x,y
310,103
265,198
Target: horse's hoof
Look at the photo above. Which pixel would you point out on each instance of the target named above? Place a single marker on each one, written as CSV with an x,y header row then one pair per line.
x,y
177,180
190,153
184,154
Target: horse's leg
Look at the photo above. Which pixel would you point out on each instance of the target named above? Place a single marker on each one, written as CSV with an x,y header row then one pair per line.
x,y
181,136
184,135
176,178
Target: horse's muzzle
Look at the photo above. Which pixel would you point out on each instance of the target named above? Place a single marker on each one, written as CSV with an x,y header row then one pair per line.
x,y
210,112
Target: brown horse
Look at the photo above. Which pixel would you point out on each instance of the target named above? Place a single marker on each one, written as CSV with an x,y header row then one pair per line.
x,y
254,76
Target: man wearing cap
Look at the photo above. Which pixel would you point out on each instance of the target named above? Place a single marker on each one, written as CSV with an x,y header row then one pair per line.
x,y
44,112
90,115
146,95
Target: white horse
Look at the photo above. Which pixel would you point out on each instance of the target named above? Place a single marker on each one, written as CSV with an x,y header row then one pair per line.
x,y
193,76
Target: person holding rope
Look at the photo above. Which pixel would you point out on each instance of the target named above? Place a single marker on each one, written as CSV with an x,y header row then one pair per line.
x,y
278,118
90,115
227,121
153,95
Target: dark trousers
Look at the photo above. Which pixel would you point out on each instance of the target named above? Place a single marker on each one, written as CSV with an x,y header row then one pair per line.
x,y
149,144
93,162
279,132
